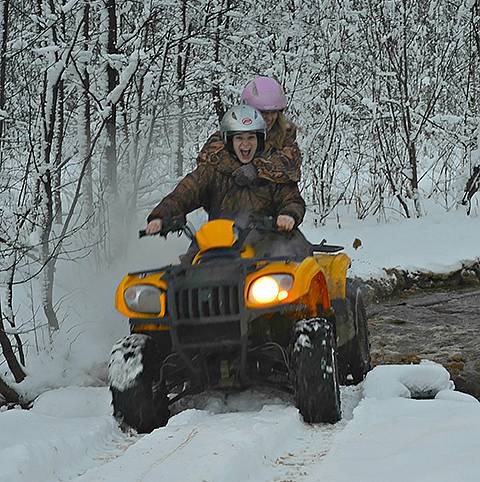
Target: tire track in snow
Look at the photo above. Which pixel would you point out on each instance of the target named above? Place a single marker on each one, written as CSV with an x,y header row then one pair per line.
x,y
180,446
223,441
296,465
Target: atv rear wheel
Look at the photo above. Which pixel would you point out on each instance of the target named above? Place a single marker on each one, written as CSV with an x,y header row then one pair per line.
x,y
314,364
139,398
358,349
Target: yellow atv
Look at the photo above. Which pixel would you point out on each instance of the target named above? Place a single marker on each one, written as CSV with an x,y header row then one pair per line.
x,y
233,320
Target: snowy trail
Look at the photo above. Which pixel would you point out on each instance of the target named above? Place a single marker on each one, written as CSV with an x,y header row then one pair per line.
x,y
253,435
265,440
257,436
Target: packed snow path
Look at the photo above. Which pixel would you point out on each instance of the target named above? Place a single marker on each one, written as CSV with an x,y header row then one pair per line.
x,y
384,436
248,436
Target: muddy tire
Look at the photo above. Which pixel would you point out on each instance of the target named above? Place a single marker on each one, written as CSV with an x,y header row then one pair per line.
x,y
358,349
139,399
315,371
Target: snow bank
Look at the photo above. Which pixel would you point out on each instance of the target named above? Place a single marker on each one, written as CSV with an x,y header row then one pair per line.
x,y
407,381
393,438
396,440
74,402
437,242
455,396
62,435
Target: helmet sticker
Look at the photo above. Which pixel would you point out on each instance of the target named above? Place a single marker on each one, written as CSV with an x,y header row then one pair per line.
x,y
246,121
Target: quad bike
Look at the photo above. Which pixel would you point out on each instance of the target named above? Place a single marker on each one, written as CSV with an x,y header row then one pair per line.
x,y
233,320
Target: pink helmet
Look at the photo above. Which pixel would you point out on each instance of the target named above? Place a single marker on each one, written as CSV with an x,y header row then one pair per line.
x,y
264,93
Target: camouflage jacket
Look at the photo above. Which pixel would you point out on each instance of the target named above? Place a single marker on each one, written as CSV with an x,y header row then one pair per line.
x,y
278,166
212,187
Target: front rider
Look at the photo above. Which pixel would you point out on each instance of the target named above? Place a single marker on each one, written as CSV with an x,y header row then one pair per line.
x,y
212,186
280,161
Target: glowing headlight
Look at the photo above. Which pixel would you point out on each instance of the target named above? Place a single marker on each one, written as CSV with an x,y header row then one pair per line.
x,y
268,289
143,298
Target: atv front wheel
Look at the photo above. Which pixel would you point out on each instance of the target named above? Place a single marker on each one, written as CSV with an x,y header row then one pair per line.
x,y
139,399
358,349
314,364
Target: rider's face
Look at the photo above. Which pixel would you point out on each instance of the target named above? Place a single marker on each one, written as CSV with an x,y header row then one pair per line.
x,y
270,117
245,145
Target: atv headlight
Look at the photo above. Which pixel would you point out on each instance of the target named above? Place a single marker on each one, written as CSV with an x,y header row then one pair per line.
x,y
143,298
270,288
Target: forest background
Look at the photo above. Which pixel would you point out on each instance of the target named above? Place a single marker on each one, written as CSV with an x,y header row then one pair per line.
x,y
104,105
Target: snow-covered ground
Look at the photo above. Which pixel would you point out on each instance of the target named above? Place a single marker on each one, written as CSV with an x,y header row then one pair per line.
x,y
384,435
438,242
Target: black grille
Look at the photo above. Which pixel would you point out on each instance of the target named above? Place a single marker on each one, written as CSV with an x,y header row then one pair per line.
x,y
207,302
209,334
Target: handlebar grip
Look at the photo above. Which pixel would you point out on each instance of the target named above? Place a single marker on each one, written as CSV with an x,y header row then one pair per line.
x,y
143,233
177,223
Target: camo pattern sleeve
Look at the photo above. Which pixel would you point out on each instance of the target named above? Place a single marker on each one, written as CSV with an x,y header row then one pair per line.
x,y
289,201
282,166
191,193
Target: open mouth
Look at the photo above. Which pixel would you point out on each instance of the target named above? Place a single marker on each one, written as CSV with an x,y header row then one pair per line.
x,y
246,154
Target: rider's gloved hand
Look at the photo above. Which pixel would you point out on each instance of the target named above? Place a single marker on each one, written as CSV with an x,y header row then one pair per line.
x,y
285,222
245,175
154,226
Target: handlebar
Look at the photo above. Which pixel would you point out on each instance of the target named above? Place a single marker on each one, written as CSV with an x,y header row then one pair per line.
x,y
169,225
179,224
262,224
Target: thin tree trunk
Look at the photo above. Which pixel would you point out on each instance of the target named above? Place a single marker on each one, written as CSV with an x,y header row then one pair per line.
x,y
180,138
476,33
4,24
45,203
10,395
182,63
112,82
9,354
217,99
11,316
85,129
57,176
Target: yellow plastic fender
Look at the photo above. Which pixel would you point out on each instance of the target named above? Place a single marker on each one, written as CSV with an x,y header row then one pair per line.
x,y
335,269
